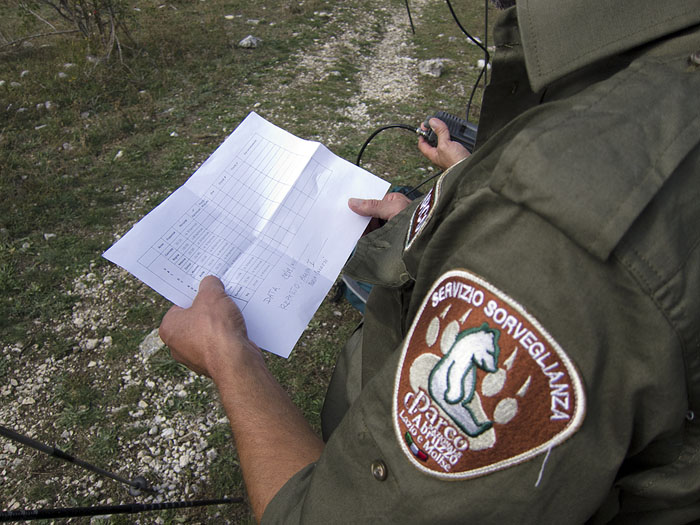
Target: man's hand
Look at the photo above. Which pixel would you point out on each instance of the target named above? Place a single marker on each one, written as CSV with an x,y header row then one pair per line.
x,y
273,439
379,210
447,152
208,336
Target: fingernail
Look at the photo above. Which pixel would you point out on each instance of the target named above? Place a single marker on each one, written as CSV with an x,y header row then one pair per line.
x,y
354,202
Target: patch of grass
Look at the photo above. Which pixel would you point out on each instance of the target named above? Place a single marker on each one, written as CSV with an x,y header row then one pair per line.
x,y
87,147
199,399
125,341
79,403
105,444
42,489
131,395
164,366
144,314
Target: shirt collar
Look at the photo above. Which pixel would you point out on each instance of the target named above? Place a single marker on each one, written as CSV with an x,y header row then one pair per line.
x,y
562,36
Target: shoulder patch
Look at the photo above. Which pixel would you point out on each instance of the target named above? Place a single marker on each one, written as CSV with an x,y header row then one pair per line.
x,y
421,215
481,385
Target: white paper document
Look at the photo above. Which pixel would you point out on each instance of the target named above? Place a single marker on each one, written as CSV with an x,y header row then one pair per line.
x,y
267,213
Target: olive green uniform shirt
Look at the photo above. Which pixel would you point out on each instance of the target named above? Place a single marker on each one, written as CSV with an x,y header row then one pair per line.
x,y
581,208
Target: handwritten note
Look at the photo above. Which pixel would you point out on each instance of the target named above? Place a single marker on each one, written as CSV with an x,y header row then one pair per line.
x,y
266,213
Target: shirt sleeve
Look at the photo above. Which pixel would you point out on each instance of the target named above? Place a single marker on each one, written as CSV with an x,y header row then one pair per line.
x,y
614,336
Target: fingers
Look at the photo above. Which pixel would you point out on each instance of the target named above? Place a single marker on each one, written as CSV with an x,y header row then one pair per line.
x,y
385,209
430,152
447,152
435,153
168,323
210,335
209,288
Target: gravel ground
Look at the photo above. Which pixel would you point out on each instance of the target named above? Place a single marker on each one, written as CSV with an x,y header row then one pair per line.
x,y
175,449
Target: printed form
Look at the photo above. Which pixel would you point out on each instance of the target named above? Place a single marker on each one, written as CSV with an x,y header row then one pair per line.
x,y
267,214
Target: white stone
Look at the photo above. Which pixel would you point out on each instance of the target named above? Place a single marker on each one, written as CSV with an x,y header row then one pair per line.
x,y
151,344
433,67
250,42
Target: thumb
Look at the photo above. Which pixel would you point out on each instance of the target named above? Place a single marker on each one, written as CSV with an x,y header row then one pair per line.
x,y
209,289
211,284
384,209
440,129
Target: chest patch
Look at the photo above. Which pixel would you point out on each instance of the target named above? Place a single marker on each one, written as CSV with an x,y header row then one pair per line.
x,y
481,385
422,214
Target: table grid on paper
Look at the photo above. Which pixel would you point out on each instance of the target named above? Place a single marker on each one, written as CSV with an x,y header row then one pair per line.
x,y
243,223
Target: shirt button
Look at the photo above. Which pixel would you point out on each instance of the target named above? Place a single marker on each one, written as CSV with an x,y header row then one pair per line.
x,y
379,470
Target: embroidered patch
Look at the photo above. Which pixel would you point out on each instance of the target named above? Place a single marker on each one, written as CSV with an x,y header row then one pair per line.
x,y
481,385
421,215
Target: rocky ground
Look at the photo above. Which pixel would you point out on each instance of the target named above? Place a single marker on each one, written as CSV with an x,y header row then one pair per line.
x,y
164,422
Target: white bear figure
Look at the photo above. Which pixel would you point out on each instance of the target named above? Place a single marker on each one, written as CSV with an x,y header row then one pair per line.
x,y
452,381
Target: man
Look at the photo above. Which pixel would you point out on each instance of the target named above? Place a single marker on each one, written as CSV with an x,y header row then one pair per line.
x,y
530,352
